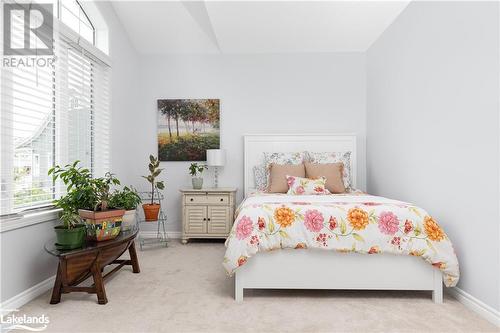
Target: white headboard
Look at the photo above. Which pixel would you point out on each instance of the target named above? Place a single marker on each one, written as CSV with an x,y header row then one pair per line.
x,y
257,144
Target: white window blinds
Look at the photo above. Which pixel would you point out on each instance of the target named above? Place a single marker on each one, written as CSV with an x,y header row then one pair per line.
x,y
51,115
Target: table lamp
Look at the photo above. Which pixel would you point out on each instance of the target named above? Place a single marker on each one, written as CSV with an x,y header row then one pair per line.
x,y
216,158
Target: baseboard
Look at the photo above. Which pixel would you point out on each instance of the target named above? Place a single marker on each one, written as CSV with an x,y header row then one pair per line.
x,y
152,234
472,303
28,295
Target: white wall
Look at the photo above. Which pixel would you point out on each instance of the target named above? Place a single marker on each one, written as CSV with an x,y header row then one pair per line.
x,y
258,93
433,135
24,263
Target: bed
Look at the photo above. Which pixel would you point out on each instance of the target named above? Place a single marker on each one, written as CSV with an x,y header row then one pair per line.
x,y
335,241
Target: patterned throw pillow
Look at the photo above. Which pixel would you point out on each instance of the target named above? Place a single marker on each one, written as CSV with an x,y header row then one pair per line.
x,y
285,158
335,157
260,177
306,186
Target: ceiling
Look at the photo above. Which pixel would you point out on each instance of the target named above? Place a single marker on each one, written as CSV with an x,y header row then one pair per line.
x,y
228,27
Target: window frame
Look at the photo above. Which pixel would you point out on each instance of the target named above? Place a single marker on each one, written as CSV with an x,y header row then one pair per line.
x,y
59,17
47,213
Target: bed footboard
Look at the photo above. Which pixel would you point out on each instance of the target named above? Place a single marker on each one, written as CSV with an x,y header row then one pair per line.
x,y
316,269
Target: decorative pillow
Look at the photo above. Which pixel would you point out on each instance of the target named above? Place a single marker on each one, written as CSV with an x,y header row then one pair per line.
x,y
331,171
278,174
293,158
285,158
306,186
334,157
260,177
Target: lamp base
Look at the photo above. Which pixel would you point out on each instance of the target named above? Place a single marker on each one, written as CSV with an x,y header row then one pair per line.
x,y
216,177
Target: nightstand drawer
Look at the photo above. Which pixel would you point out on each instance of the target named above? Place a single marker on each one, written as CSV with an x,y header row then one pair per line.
x,y
218,199
196,199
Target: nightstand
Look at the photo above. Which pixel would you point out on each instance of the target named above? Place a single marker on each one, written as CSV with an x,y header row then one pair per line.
x,y
207,213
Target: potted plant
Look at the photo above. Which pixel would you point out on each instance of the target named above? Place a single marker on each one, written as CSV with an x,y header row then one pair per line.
x,y
196,170
151,210
71,233
89,198
127,199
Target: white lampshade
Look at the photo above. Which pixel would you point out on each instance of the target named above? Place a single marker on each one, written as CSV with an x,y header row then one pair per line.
x,y
216,157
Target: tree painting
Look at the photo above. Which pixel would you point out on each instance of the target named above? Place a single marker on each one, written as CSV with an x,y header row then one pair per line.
x,y
187,128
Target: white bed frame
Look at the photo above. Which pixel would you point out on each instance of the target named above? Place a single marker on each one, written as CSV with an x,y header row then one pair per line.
x,y
319,269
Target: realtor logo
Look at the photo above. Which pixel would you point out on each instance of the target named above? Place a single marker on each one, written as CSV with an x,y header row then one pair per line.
x,y
28,29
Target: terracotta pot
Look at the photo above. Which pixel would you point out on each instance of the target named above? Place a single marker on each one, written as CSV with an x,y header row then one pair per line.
x,y
102,225
151,211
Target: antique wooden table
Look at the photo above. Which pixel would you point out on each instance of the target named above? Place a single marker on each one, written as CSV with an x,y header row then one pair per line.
x,y
77,265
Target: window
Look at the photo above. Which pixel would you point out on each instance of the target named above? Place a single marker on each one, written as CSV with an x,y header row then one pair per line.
x,y
72,14
52,115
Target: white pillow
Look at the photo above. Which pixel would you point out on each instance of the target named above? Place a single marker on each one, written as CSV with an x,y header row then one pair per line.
x,y
306,186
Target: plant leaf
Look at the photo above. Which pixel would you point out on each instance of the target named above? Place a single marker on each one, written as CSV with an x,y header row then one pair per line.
x,y
417,231
283,234
415,210
343,227
358,237
271,226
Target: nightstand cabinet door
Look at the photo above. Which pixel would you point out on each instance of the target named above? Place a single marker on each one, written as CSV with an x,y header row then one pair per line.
x,y
196,219
218,217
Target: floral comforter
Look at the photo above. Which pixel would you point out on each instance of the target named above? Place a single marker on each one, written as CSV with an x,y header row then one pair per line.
x,y
345,223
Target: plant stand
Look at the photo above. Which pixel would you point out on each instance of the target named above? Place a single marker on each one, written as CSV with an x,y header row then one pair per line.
x,y
75,266
161,233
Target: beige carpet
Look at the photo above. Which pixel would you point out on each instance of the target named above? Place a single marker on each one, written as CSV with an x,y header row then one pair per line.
x,y
184,289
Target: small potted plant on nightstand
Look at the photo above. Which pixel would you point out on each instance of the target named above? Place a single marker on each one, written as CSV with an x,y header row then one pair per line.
x,y
151,210
196,170
127,199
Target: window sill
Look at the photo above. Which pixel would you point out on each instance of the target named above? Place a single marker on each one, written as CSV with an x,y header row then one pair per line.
x,y
28,219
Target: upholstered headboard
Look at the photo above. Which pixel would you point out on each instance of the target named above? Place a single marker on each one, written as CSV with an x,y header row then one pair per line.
x,y
257,144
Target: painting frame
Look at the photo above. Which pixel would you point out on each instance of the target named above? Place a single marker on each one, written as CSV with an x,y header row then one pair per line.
x,y
186,128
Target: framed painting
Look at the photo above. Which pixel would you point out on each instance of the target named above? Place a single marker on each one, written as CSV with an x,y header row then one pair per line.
x,y
187,128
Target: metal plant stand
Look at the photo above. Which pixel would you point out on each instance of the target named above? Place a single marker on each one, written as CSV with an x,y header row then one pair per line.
x,y
161,234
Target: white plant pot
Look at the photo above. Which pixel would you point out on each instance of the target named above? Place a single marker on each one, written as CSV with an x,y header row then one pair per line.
x,y
197,182
128,220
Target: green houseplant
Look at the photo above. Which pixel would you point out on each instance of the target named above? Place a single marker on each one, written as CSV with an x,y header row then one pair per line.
x,y
71,233
152,209
196,170
127,199
89,198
